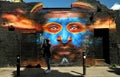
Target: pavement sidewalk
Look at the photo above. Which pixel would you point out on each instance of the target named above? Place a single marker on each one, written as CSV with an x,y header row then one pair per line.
x,y
62,72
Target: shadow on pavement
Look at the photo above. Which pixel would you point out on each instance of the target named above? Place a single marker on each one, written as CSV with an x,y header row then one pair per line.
x,y
39,72
115,70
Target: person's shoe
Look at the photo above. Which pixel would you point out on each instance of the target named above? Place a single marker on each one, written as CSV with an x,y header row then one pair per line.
x,y
47,71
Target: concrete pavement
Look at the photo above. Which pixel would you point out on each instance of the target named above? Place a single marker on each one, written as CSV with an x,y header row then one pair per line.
x,y
101,71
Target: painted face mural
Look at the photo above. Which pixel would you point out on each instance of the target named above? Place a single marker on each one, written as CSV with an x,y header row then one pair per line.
x,y
67,29
64,30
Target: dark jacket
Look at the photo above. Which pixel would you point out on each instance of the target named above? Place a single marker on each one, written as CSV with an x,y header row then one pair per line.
x,y
46,49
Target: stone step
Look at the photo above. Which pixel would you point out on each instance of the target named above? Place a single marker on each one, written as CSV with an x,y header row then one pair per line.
x,y
100,62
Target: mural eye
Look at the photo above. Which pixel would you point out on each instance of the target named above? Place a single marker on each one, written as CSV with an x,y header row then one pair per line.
x,y
76,27
52,27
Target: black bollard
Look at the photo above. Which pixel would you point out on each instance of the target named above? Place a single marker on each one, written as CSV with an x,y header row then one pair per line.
x,y
84,63
18,65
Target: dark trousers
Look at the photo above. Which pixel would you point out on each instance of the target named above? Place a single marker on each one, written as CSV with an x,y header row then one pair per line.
x,y
47,61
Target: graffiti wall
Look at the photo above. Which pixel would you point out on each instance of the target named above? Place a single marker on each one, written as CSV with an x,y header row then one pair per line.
x,y
70,30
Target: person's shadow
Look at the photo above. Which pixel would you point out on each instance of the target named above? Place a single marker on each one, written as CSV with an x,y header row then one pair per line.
x,y
39,72
114,70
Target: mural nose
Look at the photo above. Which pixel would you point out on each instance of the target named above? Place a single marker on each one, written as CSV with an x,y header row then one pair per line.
x,y
64,41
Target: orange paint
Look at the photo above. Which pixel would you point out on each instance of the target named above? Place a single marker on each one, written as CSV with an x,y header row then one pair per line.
x,y
103,23
20,22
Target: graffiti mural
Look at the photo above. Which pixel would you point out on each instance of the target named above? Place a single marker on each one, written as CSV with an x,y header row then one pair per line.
x,y
70,31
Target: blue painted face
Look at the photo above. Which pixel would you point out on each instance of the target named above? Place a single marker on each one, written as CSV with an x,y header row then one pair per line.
x,y
65,29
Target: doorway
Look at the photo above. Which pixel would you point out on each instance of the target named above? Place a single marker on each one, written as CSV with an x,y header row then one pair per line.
x,y
103,34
